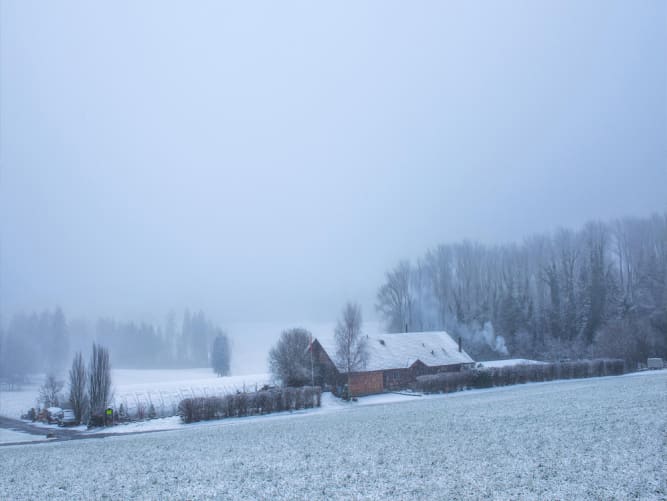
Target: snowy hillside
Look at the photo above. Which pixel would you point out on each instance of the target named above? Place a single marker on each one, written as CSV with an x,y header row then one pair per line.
x,y
577,439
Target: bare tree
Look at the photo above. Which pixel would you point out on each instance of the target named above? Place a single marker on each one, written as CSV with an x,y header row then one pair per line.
x,y
395,300
439,266
556,295
99,380
49,393
289,359
351,347
77,387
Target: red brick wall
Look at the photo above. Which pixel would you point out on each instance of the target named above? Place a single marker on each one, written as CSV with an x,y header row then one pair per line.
x,y
368,383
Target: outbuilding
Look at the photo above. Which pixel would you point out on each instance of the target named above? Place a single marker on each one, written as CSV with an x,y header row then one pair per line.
x,y
394,361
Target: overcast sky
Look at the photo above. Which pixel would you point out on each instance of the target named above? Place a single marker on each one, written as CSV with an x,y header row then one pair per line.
x,y
270,160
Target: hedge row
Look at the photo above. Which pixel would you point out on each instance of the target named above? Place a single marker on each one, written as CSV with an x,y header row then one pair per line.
x,y
249,404
517,374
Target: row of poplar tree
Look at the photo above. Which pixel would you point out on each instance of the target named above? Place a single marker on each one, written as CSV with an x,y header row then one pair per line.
x,y
88,389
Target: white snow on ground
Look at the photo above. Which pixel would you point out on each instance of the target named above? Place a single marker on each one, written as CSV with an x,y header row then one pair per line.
x,y
46,427
507,363
168,423
599,438
647,372
168,378
164,388
330,403
12,437
15,403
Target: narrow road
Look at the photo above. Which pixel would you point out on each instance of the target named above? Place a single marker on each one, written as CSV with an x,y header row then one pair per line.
x,y
59,434
18,425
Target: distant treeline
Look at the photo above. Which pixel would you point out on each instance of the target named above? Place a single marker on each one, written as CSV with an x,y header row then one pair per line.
x,y
597,292
43,343
38,342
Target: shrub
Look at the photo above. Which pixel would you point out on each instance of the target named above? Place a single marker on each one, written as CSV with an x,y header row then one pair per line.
x,y
264,402
290,398
482,378
517,374
248,404
445,382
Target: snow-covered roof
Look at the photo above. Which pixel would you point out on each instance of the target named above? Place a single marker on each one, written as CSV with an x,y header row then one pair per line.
x,y
400,351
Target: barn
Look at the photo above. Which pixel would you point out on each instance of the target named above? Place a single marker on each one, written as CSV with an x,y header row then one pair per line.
x,y
394,361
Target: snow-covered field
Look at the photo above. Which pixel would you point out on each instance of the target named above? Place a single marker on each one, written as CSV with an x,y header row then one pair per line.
x,y
163,388
601,438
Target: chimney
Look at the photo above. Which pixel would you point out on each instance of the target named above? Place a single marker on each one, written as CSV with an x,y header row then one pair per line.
x,y
460,350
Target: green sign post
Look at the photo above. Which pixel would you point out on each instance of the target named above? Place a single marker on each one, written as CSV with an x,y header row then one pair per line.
x,y
108,416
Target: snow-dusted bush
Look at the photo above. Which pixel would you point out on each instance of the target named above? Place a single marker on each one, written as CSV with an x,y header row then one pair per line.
x,y
312,396
289,398
444,382
481,378
518,374
249,404
264,402
203,408
241,404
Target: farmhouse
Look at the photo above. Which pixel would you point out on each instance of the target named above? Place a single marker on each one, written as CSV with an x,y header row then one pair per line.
x,y
394,361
